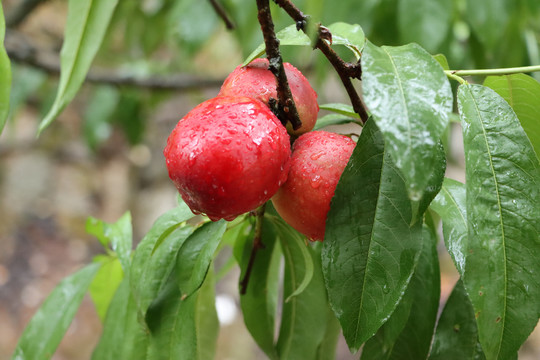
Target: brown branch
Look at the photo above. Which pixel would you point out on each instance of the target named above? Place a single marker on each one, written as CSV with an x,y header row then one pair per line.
x,y
21,51
220,11
257,245
285,108
345,70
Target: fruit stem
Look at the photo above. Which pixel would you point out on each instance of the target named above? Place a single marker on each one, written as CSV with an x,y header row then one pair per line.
x,y
345,70
257,245
502,71
286,108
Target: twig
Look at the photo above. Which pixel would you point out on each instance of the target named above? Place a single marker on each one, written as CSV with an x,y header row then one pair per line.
x,y
345,70
19,50
257,245
286,108
21,11
220,10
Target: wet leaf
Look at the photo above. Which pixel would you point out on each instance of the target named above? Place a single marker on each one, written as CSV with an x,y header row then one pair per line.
x,y
196,255
503,208
87,22
123,337
451,206
370,250
350,35
301,333
457,335
259,303
410,99
522,92
49,324
5,75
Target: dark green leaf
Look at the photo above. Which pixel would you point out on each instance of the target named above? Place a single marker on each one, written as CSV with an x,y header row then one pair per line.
x,y
328,347
408,332
424,22
457,336
105,283
183,328
503,208
410,99
5,75
49,324
369,251
196,255
259,303
488,19
451,206
342,109
118,235
87,22
333,119
522,92
301,333
123,337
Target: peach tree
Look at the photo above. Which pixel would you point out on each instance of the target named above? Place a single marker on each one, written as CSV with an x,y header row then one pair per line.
x,y
374,277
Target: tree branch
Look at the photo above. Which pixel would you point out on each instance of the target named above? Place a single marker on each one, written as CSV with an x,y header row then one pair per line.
x,y
220,10
345,70
21,51
257,245
285,108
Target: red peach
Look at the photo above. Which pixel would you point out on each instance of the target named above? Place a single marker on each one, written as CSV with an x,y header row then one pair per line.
x,y
228,156
317,162
255,80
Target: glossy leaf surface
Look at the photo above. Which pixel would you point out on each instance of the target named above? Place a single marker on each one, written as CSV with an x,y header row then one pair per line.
x,y
301,333
370,251
503,208
87,22
457,335
5,74
123,337
522,92
49,324
105,283
408,332
196,255
410,99
451,205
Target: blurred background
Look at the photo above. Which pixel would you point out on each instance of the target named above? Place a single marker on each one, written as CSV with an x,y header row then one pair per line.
x,y
160,58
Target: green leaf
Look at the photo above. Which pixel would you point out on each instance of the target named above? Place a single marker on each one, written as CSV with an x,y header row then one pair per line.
x,y
296,254
349,35
288,36
457,335
98,114
333,119
442,60
342,109
119,235
424,22
451,206
410,99
522,93
503,208
196,255
183,328
87,22
49,324
370,250
123,337
408,332
259,303
328,347
488,19
5,74
105,283
301,334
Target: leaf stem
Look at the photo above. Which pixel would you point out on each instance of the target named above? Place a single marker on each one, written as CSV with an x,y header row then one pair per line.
x,y
501,71
257,245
